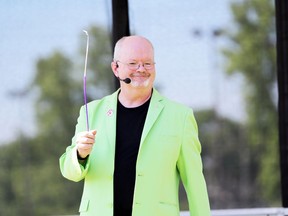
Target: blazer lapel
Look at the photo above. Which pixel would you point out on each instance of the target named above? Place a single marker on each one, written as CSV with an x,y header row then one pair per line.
x,y
154,110
110,122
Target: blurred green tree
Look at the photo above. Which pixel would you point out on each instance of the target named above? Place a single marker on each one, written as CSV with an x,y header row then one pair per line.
x,y
29,169
253,55
228,174
56,109
60,97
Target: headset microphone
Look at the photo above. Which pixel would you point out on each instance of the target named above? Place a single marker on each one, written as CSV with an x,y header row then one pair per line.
x,y
126,80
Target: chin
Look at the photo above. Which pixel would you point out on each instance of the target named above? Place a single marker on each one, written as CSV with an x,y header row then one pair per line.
x,y
144,84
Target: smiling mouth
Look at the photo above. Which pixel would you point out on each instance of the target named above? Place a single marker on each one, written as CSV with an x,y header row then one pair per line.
x,y
140,75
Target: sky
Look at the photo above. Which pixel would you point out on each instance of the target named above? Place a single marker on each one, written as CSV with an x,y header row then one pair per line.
x,y
190,68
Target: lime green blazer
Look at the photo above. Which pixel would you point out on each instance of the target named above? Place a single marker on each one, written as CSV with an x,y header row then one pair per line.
x,y
169,150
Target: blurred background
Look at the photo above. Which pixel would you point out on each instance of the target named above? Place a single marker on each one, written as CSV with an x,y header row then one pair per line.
x,y
218,57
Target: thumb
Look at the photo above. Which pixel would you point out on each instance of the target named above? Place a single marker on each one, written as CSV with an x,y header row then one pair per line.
x,y
94,132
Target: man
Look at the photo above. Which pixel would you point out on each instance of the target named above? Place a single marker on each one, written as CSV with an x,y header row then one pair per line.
x,y
140,146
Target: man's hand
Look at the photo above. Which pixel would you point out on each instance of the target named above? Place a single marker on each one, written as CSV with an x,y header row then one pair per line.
x,y
84,142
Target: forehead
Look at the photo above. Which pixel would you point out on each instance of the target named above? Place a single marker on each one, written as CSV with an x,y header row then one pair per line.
x,y
135,48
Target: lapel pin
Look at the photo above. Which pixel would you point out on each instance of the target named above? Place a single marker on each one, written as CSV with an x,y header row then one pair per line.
x,y
109,112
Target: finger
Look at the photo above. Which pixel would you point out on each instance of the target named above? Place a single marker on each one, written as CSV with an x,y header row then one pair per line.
x,y
85,137
84,147
93,132
85,133
85,140
90,134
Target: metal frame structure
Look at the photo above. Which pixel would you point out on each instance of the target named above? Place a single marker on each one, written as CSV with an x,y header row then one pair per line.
x,y
247,212
239,212
282,72
120,13
251,212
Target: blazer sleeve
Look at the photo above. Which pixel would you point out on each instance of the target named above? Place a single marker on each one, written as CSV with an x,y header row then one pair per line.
x,y
69,164
191,170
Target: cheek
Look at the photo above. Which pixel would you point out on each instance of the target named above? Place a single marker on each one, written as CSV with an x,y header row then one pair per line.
x,y
153,75
120,72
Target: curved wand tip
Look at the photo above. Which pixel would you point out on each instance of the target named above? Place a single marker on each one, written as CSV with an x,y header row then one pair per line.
x,y
85,32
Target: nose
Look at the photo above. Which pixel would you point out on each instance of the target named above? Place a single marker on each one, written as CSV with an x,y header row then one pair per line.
x,y
141,67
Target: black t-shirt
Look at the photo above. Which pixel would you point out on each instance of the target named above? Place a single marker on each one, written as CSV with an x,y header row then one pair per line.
x,y
129,126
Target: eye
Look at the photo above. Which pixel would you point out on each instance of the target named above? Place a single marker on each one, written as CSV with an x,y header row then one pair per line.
x,y
132,63
148,64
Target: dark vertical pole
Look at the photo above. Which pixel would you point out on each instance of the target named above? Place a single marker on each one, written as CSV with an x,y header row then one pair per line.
x,y
282,71
120,24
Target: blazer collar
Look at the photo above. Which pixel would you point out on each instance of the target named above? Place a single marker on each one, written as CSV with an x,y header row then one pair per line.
x,y
154,110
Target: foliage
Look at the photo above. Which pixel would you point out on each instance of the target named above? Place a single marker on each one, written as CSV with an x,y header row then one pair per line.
x,y
227,161
241,159
253,54
228,173
29,170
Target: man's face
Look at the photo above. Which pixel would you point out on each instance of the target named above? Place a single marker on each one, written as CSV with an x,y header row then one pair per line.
x,y
136,61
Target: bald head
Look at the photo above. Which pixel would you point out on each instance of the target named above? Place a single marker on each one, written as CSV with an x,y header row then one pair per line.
x,y
130,44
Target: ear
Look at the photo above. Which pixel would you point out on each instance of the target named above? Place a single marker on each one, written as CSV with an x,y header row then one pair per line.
x,y
114,67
